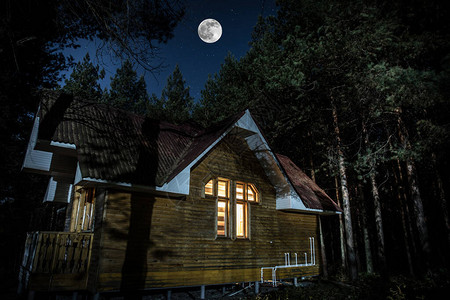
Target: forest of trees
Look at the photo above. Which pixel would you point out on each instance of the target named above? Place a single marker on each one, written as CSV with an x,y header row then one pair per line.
x,y
355,92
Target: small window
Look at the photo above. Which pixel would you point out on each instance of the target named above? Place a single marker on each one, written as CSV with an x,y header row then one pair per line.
x,y
209,188
221,218
222,188
240,191
251,193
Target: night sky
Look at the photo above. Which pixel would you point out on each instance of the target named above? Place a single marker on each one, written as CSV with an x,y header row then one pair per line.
x,y
196,58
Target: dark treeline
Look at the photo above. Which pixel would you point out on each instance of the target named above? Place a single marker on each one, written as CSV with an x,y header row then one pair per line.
x,y
128,92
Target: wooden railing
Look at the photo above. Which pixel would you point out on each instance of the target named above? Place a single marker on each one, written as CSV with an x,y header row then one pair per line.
x,y
54,253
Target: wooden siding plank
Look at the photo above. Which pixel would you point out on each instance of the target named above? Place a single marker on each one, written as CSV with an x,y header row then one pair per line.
x,y
176,238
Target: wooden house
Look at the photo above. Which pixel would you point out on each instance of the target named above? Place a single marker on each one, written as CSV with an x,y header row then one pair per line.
x,y
155,205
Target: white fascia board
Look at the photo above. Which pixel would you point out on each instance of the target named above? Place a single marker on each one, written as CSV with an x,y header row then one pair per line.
x,y
179,184
51,190
63,145
69,194
134,187
78,176
36,159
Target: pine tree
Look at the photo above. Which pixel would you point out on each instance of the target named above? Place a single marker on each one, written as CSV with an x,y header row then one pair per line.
x,y
127,91
84,80
175,102
224,93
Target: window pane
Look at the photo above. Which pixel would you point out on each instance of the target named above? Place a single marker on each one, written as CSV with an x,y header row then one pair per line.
x,y
251,193
209,188
239,191
221,217
222,189
240,220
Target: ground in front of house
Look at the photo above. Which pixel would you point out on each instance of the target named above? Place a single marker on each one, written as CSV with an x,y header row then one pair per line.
x,y
434,286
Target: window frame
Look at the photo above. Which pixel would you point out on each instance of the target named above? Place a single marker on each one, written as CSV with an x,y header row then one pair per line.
x,y
83,210
204,194
226,218
231,206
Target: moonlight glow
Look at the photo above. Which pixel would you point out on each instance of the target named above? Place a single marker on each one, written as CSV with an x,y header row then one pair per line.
x,y
209,31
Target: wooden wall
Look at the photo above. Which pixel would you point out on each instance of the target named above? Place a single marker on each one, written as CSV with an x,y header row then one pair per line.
x,y
151,241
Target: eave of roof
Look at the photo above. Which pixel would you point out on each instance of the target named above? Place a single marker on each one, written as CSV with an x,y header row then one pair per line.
x,y
311,194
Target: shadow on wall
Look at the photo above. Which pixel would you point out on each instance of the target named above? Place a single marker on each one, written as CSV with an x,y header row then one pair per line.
x,y
134,270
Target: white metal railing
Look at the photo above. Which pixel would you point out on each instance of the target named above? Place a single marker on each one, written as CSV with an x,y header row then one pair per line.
x,y
287,262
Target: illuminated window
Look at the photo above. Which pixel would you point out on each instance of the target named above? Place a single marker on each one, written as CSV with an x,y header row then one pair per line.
x,y
241,220
222,218
209,188
230,195
222,188
251,193
240,191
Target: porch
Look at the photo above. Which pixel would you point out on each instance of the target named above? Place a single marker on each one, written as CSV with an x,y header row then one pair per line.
x,y
55,261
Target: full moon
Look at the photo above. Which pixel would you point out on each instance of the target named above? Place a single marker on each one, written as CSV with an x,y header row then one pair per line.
x,y
209,31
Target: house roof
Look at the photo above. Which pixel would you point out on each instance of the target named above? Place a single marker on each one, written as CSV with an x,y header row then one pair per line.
x,y
311,194
119,146
122,147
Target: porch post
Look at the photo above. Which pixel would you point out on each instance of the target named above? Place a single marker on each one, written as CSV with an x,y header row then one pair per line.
x,y
256,287
202,292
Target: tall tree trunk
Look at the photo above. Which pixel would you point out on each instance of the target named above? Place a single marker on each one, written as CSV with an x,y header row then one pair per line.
x,y
345,200
367,250
341,227
404,211
358,231
323,253
441,196
377,207
415,193
311,159
418,210
378,222
311,164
